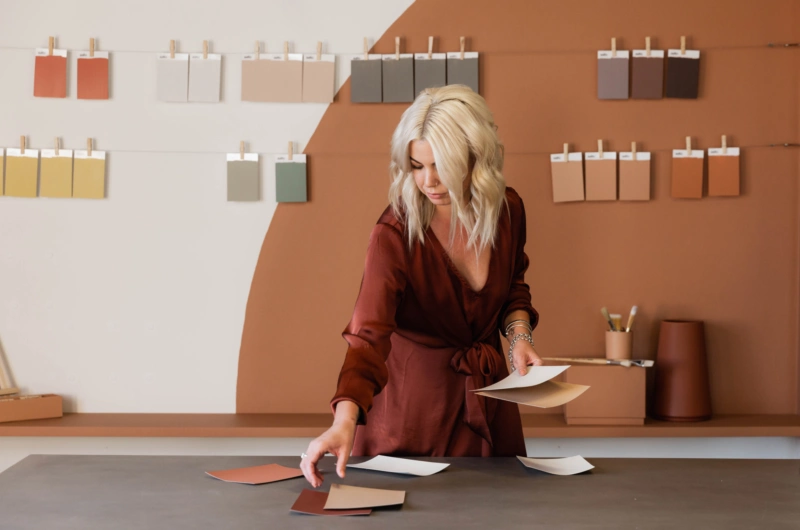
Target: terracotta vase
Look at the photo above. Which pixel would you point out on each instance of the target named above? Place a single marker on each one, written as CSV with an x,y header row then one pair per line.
x,y
681,381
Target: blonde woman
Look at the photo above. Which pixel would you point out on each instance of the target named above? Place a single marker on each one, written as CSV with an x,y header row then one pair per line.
x,y
444,274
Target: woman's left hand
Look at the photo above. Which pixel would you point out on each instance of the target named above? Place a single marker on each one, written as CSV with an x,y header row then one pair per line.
x,y
525,355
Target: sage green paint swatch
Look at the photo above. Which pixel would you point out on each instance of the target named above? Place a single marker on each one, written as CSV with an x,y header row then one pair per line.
x,y
291,182
243,180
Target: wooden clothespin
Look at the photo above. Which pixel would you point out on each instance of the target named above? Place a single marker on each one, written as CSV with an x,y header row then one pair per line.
x,y
205,49
22,145
683,45
613,46
286,50
258,49
57,145
724,144
463,43
633,150
647,46
689,145
172,49
430,47
51,43
91,47
291,151
241,150
600,148
366,49
319,51
89,147
397,48
566,152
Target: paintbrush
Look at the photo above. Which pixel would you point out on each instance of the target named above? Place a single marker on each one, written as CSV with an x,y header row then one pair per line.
x,y
627,363
604,311
630,318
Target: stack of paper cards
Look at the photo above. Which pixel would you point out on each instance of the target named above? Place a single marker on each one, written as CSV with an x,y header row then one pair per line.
x,y
535,388
312,502
343,497
257,474
402,466
558,466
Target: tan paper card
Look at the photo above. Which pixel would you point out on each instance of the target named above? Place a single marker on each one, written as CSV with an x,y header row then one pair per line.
x,y
21,172
343,497
601,176
558,466
723,172
257,474
56,173
403,466
567,177
687,174
89,179
318,78
536,376
634,177
271,78
312,502
547,395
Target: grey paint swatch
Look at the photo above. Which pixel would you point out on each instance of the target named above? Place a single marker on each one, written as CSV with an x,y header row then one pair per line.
x,y
291,182
463,72
429,73
243,180
612,78
173,80
398,80
205,79
366,81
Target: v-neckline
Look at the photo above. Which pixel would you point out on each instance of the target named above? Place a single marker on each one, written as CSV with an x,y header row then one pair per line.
x,y
452,266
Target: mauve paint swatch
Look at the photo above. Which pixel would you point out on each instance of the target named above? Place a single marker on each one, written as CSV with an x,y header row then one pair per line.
x,y
683,74
647,75
612,75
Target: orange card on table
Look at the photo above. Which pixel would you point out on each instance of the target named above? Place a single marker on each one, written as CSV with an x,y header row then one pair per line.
x,y
50,74
93,75
256,474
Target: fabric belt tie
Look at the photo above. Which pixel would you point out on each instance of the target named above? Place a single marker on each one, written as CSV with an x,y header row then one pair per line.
x,y
482,363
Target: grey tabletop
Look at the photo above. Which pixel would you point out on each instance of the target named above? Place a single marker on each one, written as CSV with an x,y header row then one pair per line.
x,y
89,492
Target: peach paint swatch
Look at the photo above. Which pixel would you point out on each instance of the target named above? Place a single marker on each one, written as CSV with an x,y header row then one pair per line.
x,y
318,78
273,79
256,474
56,173
89,175
601,176
205,78
634,177
21,172
724,172
93,75
567,177
312,502
50,74
172,78
687,174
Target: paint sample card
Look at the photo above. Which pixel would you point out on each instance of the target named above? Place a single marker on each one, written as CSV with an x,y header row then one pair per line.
x,y
254,77
572,465
50,74
536,376
319,78
22,170
647,74
291,178
634,176
429,72
724,172
205,77
256,474
93,75
366,79
612,74
398,78
172,78
687,174
402,466
463,71
56,173
548,394
343,497
89,175
312,502
567,175
2,171
601,176
683,74
243,177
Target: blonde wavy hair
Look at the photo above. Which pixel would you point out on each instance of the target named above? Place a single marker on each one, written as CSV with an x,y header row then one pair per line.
x,y
459,127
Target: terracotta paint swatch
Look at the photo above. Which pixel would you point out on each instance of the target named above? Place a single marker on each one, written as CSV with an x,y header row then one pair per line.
x,y
343,497
56,173
647,74
257,474
724,172
291,179
429,72
93,75
687,174
21,172
683,74
89,175
567,177
612,74
398,78
205,78
312,502
463,71
172,78
50,74
243,177
571,465
366,79
319,78
601,176
547,395
634,177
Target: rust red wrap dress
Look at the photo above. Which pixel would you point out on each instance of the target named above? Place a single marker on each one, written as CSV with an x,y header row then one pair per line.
x,y
421,339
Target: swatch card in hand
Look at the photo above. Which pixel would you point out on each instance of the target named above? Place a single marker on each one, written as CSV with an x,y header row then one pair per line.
x,y
634,176
601,176
366,79
546,395
683,74
243,177
21,172
429,72
612,74
50,74
398,78
567,176
687,174
89,175
205,77
723,172
647,74
463,71
93,75
291,178
172,78
56,173
318,78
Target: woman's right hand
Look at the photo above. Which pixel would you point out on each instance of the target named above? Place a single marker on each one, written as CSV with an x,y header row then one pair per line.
x,y
337,440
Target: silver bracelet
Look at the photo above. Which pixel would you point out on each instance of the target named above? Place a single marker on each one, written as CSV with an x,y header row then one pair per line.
x,y
518,323
519,336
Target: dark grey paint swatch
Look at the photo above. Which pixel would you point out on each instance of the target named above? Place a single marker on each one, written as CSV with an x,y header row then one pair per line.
x,y
463,72
429,73
612,78
243,180
365,81
291,182
398,80
683,77
647,78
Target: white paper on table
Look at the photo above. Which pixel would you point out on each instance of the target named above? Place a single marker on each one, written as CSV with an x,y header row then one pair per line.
x,y
558,466
343,497
389,464
548,394
536,376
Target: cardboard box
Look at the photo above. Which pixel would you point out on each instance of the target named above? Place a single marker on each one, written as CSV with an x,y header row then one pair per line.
x,y
34,407
616,397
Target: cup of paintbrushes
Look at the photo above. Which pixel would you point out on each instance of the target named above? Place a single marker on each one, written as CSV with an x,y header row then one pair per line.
x,y
619,339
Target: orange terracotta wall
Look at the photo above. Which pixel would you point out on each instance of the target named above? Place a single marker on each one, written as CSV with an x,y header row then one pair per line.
x,y
731,262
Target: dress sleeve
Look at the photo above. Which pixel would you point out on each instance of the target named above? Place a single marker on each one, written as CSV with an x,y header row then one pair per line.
x,y
519,295
364,373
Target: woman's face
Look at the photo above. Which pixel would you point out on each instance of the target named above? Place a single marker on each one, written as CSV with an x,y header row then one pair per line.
x,y
423,167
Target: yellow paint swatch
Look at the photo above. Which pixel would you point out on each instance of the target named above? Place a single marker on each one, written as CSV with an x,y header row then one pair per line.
x,y
2,167
21,172
89,181
56,173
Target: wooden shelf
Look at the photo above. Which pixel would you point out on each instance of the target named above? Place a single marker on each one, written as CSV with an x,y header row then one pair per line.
x,y
310,425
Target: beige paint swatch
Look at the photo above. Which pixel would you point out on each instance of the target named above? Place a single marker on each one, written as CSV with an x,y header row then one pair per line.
x,y
558,466
601,176
536,376
634,177
273,79
56,173
567,175
724,172
205,78
256,474
21,172
89,175
547,395
343,497
243,177
319,78
402,466
172,78
687,174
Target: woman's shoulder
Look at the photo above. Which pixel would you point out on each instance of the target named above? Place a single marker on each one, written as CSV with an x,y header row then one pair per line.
x,y
514,201
390,220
